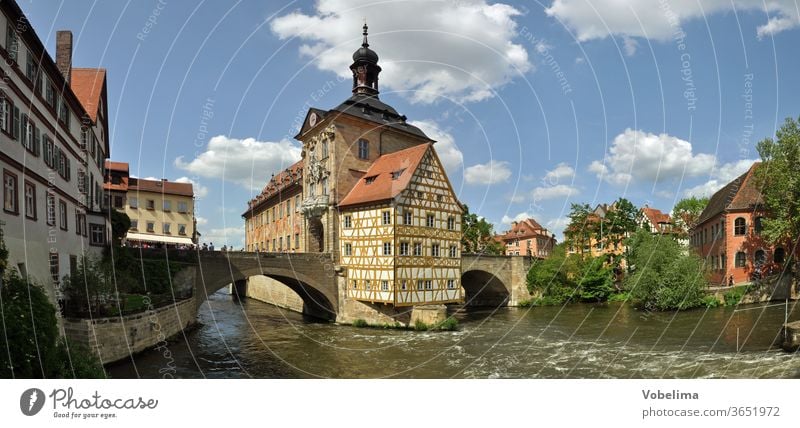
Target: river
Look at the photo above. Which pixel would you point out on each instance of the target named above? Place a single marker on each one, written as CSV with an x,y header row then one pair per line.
x,y
243,339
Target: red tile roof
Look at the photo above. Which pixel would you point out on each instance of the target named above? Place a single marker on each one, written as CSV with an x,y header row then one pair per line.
x,y
87,84
117,166
278,183
655,216
160,186
523,229
741,193
378,183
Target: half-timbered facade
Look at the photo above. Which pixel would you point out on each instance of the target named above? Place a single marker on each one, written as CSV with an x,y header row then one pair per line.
x,y
400,232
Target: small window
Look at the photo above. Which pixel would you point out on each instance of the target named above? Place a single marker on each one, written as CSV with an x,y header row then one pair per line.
x,y
403,285
435,250
183,207
354,284
387,217
348,249
370,179
429,220
453,251
134,224
348,222
165,228
407,217
417,249
451,284
439,198
760,257
740,259
54,268
167,205
363,149
396,174
151,227
367,285
51,209
30,200
404,248
151,204
739,226
133,202
384,285
10,193
451,223
420,284
780,255
387,248
181,229
428,284
98,234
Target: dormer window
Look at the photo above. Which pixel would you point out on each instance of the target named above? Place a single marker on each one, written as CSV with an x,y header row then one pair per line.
x,y
396,174
370,180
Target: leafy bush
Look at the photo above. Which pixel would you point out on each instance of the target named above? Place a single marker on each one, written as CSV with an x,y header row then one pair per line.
x,y
711,301
565,277
619,297
450,324
663,276
360,323
734,295
419,325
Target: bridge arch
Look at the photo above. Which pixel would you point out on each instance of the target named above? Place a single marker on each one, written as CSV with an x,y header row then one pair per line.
x,y
482,288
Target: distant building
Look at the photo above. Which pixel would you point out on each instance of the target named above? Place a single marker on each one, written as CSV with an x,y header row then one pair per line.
x,y
55,137
598,242
273,221
659,223
115,184
161,211
728,233
527,238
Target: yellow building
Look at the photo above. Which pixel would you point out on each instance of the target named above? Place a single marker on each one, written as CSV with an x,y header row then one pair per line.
x,y
161,213
401,232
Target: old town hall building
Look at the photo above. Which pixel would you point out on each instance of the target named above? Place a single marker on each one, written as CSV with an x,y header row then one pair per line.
x,y
371,191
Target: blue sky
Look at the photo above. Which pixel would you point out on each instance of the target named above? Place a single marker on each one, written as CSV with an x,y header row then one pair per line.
x,y
534,105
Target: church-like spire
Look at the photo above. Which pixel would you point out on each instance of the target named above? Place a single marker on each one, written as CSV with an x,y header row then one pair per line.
x,y
365,68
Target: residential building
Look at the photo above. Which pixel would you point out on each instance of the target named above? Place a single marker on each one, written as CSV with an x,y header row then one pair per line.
x,y
115,184
527,238
659,223
54,132
161,213
364,171
593,237
728,233
273,221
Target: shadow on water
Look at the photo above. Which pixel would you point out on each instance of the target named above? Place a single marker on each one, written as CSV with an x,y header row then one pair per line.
x,y
253,339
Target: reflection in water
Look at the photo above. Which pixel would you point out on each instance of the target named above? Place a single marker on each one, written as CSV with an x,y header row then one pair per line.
x,y
253,339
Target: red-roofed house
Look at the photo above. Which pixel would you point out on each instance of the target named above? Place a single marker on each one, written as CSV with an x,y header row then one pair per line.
x,y
728,233
527,238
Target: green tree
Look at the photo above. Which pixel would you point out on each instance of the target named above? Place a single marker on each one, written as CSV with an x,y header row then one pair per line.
x,y
779,184
562,277
663,275
687,212
120,223
478,235
620,223
580,230
596,281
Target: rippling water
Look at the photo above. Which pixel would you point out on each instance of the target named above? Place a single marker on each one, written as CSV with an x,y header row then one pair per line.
x,y
252,339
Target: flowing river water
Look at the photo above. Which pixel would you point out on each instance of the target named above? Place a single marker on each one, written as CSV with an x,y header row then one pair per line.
x,y
252,339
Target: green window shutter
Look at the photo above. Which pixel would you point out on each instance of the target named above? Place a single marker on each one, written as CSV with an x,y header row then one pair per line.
x,y
15,123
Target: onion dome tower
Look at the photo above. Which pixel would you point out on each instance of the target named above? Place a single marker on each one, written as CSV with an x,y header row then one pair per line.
x,y
365,68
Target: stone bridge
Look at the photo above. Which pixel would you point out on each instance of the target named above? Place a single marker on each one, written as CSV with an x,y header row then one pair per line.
x,y
487,280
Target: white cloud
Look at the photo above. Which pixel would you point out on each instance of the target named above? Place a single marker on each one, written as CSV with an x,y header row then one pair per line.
x,y
560,172
201,221
597,19
643,156
200,191
720,177
246,162
557,225
460,49
445,146
630,44
519,217
553,192
492,172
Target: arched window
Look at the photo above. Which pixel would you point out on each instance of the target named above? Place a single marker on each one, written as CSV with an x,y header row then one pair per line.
x,y
760,257
780,255
757,225
363,149
739,226
740,259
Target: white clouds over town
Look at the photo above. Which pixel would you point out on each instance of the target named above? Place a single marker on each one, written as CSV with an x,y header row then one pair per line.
x,y
246,162
492,172
430,56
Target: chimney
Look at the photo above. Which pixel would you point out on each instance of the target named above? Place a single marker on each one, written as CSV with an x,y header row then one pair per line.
x,y
64,53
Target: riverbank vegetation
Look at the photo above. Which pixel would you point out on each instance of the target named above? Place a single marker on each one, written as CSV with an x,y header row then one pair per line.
x,y
128,285
31,343
449,324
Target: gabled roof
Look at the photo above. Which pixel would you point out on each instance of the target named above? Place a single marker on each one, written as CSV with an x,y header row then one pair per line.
x,y
741,193
87,84
378,183
523,229
655,216
160,186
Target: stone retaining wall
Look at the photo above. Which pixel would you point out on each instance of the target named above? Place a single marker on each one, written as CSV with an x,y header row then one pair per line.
x,y
268,290
115,338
